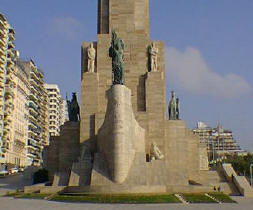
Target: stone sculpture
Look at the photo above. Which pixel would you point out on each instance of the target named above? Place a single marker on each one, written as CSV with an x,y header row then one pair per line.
x,y
153,54
116,52
73,109
173,107
91,58
155,153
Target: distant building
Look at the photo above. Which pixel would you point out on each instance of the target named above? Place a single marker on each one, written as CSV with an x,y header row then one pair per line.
x,y
56,109
38,133
7,86
64,111
219,141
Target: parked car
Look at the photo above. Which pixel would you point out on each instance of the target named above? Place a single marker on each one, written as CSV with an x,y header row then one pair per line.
x,y
13,171
21,170
3,173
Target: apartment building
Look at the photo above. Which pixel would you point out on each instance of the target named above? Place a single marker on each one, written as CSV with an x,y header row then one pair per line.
x,y
7,86
219,141
38,135
19,142
56,109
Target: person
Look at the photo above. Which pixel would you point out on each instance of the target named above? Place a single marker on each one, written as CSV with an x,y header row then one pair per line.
x,y
91,58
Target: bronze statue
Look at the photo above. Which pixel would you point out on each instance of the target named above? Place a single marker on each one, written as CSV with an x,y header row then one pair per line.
x,y
73,109
116,52
173,107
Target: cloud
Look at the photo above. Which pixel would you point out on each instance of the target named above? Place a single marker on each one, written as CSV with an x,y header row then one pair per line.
x,y
67,27
188,71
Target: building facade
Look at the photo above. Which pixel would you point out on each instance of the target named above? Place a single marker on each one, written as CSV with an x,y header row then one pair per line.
x,y
17,155
219,141
7,86
38,135
56,109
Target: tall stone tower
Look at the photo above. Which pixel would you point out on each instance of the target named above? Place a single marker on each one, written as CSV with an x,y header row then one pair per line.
x,y
126,143
130,19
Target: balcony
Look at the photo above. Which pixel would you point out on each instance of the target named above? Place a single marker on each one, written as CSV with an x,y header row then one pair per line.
x,y
11,45
10,62
11,37
2,60
10,52
2,52
3,23
35,76
2,42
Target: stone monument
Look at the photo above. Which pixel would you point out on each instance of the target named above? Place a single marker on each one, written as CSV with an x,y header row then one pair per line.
x,y
126,143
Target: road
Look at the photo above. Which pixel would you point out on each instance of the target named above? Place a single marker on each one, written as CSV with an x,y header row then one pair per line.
x,y
12,182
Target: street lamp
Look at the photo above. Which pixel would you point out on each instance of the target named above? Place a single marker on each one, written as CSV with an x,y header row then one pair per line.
x,y
251,167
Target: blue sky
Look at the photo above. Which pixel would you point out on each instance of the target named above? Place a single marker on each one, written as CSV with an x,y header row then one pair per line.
x,y
208,51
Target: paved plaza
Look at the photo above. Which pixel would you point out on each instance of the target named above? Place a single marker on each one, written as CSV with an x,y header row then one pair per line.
x,y
23,204
14,182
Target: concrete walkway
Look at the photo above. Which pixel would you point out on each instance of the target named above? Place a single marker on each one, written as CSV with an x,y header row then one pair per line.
x,y
23,204
17,181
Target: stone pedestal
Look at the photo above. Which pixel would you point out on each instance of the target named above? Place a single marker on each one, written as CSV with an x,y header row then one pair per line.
x,y
80,173
62,152
120,138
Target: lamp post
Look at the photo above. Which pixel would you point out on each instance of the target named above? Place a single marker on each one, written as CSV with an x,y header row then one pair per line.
x,y
251,167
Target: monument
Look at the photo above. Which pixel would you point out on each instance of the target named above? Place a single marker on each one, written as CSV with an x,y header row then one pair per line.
x,y
124,142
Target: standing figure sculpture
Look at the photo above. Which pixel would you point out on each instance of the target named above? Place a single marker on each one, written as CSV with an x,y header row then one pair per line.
x,y
172,107
153,54
91,52
73,109
116,52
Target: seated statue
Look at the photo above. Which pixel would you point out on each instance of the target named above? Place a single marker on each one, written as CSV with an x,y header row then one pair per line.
x,y
155,153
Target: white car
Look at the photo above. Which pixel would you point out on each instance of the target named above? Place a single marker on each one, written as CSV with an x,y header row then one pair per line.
x,y
13,171
3,173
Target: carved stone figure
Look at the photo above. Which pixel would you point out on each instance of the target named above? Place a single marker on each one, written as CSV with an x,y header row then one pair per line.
x,y
155,153
73,109
91,58
116,52
153,53
172,107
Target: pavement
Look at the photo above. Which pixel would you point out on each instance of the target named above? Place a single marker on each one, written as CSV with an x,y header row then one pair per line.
x,y
13,182
25,204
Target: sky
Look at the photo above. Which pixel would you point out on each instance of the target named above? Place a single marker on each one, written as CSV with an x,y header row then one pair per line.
x,y
209,57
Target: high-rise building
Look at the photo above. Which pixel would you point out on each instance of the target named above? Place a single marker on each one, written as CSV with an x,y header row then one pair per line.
x,y
64,112
56,109
7,86
219,141
19,141
38,135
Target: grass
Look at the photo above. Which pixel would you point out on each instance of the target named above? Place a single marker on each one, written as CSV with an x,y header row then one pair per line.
x,y
222,197
125,198
197,198
27,195
128,198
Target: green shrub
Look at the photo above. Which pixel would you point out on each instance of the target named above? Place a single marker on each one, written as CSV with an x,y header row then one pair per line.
x,y
40,176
